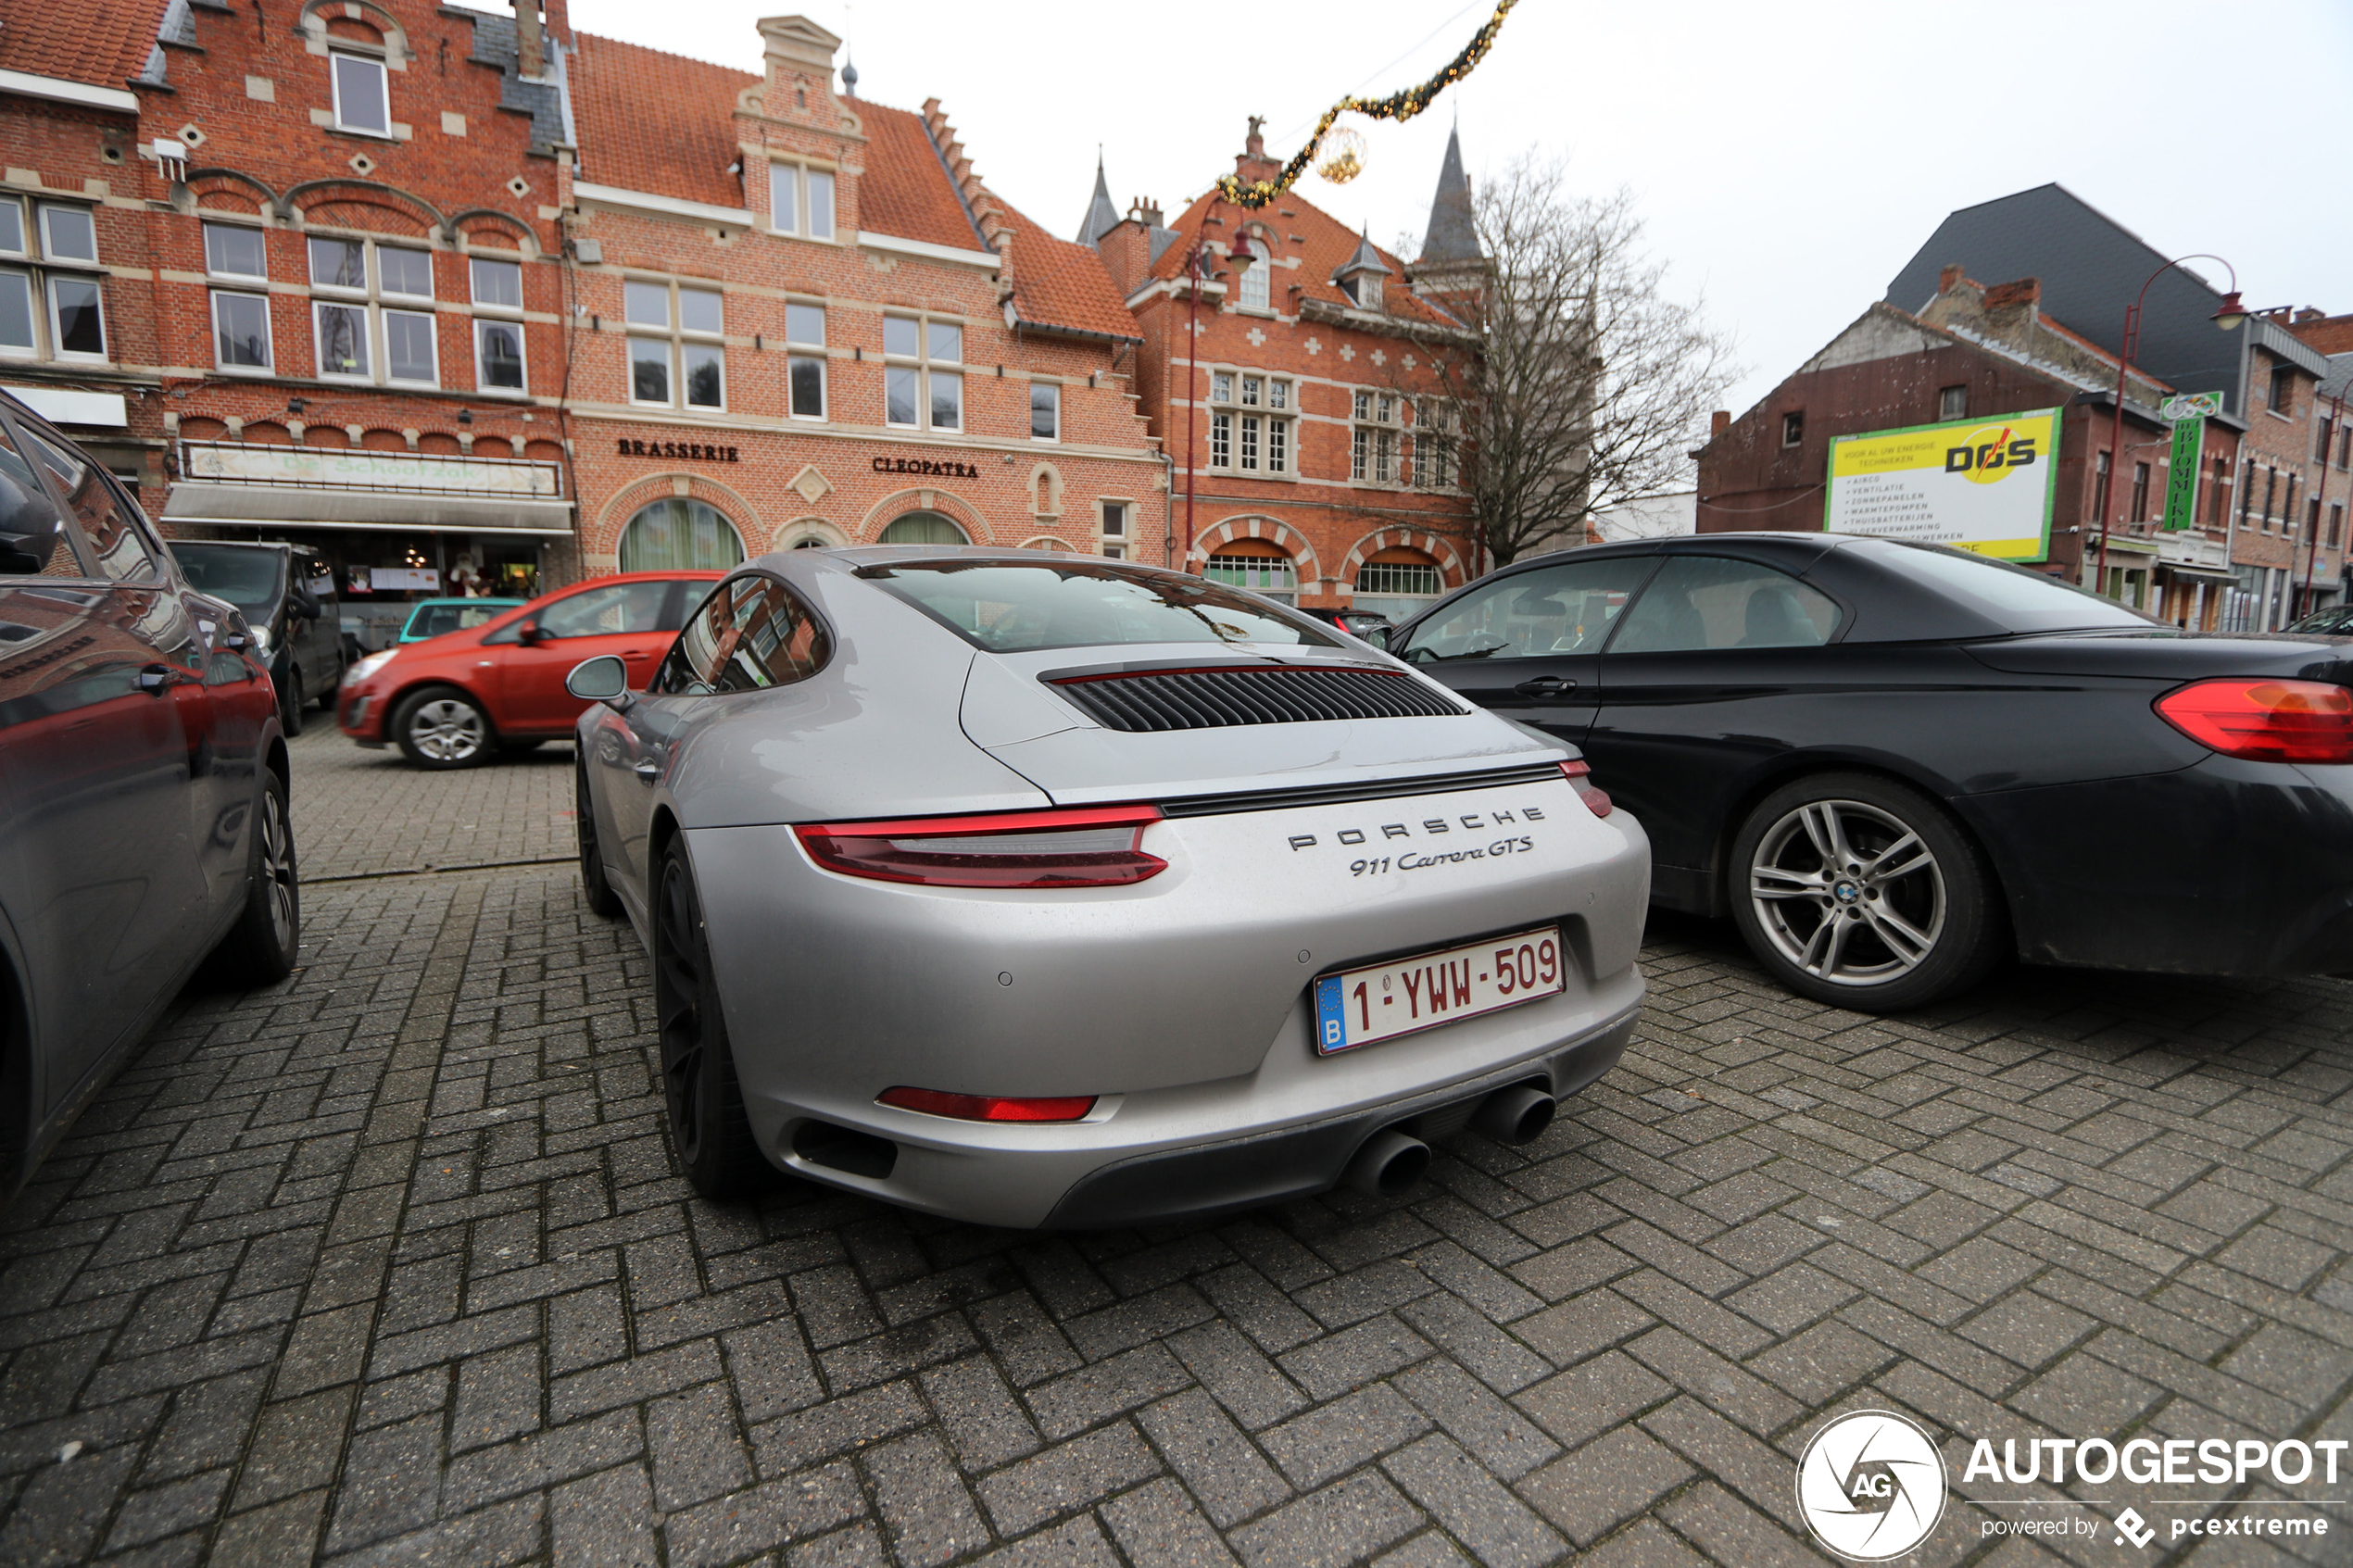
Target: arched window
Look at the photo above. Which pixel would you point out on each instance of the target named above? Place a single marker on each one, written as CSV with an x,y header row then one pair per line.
x,y
1256,565
1398,583
923,528
677,534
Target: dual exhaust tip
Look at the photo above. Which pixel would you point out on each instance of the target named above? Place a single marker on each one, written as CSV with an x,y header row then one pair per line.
x,y
1391,1161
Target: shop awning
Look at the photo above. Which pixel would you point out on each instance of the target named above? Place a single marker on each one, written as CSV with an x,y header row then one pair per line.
x,y
268,506
2194,573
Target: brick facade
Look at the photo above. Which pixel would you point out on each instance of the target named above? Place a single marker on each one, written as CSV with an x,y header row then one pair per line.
x,y
1318,515
2290,559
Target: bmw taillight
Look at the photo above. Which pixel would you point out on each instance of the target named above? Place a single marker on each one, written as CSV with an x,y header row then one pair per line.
x,y
1084,846
990,1108
2265,721
1578,773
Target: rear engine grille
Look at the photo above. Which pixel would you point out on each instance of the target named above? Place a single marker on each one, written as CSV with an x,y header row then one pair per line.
x,y
1203,699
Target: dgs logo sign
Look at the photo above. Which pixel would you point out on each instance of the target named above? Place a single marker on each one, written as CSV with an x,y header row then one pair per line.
x,y
1990,454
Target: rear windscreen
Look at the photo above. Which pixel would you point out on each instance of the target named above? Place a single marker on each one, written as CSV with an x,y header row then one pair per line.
x,y
2013,597
1014,606
247,579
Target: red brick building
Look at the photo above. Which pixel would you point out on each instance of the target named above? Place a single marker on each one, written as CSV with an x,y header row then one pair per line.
x,y
1972,352
1286,392
2288,551
798,317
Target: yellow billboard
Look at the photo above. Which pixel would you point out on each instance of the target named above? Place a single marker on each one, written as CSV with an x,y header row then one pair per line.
x,y
1976,484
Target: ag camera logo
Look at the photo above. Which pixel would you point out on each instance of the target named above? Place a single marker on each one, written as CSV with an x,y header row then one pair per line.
x,y
1872,1486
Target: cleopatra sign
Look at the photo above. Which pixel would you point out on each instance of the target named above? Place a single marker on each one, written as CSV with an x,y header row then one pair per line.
x,y
1979,485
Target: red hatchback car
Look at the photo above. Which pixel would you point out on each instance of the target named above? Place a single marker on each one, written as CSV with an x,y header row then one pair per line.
x,y
452,701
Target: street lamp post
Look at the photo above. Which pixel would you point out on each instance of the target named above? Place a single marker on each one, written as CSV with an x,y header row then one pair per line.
x,y
2229,317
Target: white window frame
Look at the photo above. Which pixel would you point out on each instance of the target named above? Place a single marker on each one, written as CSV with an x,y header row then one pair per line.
x,y
492,314
804,179
377,305
676,339
433,338
1440,468
30,282
1055,388
1373,442
336,60
1113,544
1254,289
58,350
320,305
48,248
23,249
800,351
925,368
256,230
1259,411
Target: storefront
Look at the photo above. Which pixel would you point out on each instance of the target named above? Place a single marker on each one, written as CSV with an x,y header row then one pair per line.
x,y
396,527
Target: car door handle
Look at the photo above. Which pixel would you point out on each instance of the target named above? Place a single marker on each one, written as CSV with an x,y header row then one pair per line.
x,y
1545,685
158,679
649,769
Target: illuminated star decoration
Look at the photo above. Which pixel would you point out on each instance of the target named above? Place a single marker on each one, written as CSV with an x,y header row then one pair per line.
x,y
1400,106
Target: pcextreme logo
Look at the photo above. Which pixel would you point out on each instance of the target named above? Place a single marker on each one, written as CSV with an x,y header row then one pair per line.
x,y
1872,1486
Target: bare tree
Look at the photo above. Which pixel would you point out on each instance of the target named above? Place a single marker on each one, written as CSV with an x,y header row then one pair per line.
x,y
1577,384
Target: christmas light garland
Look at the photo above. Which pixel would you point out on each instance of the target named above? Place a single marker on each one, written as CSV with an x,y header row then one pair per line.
x,y
1401,106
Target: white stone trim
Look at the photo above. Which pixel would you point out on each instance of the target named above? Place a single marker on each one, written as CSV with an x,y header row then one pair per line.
x,y
870,240
58,90
667,207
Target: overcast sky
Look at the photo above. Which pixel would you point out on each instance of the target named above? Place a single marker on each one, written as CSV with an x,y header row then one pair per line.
x,y
1788,157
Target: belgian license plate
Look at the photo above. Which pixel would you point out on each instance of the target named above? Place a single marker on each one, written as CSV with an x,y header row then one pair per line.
x,y
1357,1007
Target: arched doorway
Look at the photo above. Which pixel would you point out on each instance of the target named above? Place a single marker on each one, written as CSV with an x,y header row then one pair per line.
x,y
1398,583
923,528
1256,565
677,534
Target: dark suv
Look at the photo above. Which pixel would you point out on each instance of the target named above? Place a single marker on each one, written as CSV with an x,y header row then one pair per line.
x,y
288,594
143,788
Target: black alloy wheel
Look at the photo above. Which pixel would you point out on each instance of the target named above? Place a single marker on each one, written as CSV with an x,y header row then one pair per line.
x,y
709,1134
261,947
441,727
290,702
594,889
1863,892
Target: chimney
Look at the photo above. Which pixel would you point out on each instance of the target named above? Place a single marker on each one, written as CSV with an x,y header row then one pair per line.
x,y
1145,210
1253,164
1951,274
1718,422
531,45
2011,295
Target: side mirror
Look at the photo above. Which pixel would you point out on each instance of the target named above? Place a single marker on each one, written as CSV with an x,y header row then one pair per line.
x,y
1376,635
602,679
306,603
30,526
531,634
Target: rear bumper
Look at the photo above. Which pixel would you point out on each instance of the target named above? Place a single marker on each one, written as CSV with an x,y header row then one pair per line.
x,y
2221,868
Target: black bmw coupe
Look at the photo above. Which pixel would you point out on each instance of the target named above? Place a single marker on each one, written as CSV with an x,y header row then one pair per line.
x,y
1892,763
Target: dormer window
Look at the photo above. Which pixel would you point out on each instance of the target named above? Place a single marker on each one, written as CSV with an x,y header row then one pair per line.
x,y
1255,286
361,101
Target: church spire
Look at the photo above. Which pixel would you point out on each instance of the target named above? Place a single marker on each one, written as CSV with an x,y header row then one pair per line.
x,y
1102,217
1452,236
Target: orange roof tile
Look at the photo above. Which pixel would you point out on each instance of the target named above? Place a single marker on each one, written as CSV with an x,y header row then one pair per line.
x,y
906,191
656,123
101,45
1057,283
1324,245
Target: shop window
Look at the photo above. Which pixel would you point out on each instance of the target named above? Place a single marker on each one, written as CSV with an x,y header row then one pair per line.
x,y
678,535
800,201
923,381
923,528
1272,574
57,310
805,360
1045,410
362,101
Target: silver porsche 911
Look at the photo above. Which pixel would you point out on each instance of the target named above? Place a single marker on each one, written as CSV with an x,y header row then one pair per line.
x,y
1042,890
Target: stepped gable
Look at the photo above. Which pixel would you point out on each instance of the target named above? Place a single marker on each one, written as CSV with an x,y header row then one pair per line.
x,y
907,189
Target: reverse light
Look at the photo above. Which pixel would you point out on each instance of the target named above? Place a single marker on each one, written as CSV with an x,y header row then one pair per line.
x,y
1595,797
990,1108
1083,846
2265,721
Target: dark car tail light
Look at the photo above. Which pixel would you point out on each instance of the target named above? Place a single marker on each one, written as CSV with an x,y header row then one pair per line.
x,y
1579,772
1084,846
990,1108
2265,721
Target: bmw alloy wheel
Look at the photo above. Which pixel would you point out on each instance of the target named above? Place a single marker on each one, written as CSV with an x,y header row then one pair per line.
x,y
1847,892
448,730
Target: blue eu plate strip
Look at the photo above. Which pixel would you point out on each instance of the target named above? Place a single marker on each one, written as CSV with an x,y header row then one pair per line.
x,y
1331,1020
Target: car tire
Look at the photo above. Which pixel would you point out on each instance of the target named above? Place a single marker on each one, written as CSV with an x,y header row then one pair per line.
x,y
440,727
594,889
290,702
261,947
1857,891
708,1133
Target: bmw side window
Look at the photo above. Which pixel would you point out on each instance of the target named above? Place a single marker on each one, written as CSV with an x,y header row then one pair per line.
x,y
1707,602
105,516
1545,613
21,489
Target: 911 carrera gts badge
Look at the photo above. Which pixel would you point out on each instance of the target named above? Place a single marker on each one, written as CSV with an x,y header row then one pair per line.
x,y
1469,821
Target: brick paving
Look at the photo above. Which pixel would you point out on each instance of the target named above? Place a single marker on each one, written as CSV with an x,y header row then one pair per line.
x,y
387,1264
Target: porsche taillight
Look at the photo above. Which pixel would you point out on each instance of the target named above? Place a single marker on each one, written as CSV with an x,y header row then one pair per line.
x,y
1578,773
1082,847
990,1108
2266,720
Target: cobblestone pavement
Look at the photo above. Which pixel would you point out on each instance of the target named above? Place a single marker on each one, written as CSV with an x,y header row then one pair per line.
x,y
387,1264
367,814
